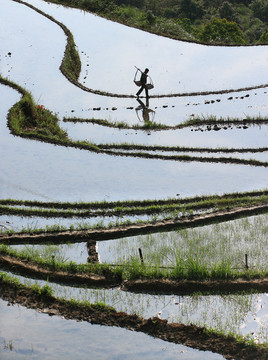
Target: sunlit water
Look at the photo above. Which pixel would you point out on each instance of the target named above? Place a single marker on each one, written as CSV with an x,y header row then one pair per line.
x,y
34,170
179,67
241,314
254,137
99,42
45,337
96,177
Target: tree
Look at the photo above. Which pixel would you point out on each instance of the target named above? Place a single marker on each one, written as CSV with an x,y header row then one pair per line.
x,y
260,9
264,38
190,9
222,31
227,12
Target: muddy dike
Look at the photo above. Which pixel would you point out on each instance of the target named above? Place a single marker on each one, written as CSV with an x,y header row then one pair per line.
x,y
121,231
188,287
153,286
188,335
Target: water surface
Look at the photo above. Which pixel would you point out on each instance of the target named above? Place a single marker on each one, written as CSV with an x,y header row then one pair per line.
x,y
27,334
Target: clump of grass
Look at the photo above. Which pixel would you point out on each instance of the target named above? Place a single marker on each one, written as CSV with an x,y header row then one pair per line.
x,y
43,292
97,306
26,118
5,278
71,64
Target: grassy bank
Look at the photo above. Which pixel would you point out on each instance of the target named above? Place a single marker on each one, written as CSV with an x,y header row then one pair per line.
x,y
171,208
26,118
191,268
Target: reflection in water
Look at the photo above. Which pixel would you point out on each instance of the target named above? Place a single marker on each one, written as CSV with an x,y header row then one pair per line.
x,y
244,314
144,112
46,337
92,249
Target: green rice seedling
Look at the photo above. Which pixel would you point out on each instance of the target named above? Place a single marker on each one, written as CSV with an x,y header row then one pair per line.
x,y
134,269
222,270
195,270
43,291
72,267
178,272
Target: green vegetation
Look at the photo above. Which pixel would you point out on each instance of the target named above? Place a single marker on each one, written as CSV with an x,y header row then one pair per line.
x,y
175,260
213,321
46,293
221,31
195,258
148,125
192,254
239,198
156,210
26,118
223,22
71,64
203,121
43,292
220,247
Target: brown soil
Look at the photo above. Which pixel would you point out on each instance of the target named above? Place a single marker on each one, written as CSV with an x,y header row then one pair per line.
x,y
29,269
192,336
186,287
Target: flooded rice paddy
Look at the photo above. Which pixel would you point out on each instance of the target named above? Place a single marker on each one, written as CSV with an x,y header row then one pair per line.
x,y
48,337
31,52
240,314
223,242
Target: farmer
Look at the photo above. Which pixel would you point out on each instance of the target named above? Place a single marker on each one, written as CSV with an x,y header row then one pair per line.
x,y
143,81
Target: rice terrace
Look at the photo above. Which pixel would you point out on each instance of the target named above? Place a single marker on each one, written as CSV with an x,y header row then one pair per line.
x,y
133,226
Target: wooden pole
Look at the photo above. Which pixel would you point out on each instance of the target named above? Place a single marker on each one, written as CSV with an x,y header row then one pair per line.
x,y
141,257
246,261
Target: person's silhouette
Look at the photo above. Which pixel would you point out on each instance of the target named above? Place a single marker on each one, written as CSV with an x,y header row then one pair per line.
x,y
143,81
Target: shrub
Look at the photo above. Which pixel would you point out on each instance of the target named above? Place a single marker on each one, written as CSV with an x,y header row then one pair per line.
x,y
191,9
227,12
222,31
260,9
264,38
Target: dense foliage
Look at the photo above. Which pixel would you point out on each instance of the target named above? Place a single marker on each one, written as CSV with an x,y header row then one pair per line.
x,y
210,21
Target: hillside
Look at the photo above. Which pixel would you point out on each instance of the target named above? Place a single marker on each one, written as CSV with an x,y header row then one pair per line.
x,y
206,21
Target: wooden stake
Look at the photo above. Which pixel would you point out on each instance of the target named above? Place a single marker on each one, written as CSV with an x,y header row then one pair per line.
x,y
141,257
246,261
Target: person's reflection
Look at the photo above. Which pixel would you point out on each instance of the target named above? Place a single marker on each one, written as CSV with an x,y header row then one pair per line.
x,y
145,110
93,256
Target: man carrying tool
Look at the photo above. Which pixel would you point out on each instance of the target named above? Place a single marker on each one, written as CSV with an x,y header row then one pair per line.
x,y
143,82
